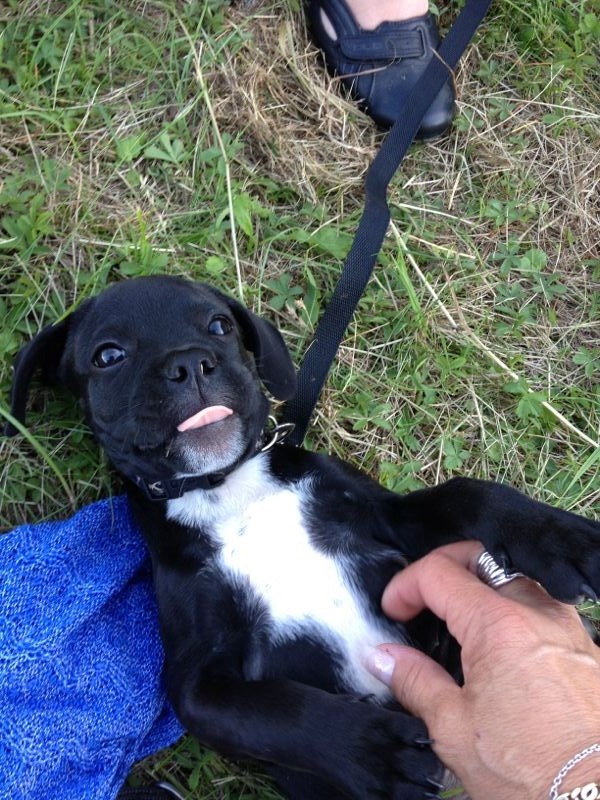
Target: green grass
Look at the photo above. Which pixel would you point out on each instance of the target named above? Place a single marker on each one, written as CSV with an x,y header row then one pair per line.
x,y
203,139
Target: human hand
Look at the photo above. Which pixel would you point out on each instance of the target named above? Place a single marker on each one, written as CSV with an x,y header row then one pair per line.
x,y
531,693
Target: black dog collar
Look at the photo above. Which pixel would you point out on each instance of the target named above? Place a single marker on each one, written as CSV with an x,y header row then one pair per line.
x,y
169,489
176,487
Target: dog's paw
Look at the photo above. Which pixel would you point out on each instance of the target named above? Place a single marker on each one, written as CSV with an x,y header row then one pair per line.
x,y
558,549
391,757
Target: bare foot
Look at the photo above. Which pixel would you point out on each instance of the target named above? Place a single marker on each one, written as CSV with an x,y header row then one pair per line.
x,y
371,13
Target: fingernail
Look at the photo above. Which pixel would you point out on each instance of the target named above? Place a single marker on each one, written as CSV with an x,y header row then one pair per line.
x,y
381,665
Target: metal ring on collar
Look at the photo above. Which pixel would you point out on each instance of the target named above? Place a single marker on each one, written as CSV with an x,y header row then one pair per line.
x,y
491,573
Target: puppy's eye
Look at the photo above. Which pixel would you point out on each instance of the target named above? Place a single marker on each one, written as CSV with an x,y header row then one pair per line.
x,y
219,326
108,355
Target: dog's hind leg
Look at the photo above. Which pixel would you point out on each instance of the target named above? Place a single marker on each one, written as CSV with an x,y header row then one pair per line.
x,y
361,749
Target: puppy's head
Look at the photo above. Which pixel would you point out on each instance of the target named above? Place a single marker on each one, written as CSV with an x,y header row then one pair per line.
x,y
168,373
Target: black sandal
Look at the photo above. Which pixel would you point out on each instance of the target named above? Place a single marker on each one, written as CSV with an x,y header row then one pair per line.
x,y
380,67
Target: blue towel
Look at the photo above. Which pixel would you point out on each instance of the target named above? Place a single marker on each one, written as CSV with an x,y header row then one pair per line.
x,y
81,697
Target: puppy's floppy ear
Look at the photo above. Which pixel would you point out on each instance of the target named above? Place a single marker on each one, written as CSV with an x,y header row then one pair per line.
x,y
273,361
43,352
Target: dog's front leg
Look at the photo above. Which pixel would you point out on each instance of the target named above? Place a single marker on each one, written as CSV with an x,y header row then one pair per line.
x,y
559,549
361,749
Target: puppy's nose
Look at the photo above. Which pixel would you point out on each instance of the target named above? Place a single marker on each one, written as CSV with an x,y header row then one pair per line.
x,y
181,367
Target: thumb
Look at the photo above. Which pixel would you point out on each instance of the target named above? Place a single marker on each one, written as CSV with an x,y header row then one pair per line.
x,y
419,683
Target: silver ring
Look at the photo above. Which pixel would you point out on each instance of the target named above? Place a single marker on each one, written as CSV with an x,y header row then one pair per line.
x,y
491,573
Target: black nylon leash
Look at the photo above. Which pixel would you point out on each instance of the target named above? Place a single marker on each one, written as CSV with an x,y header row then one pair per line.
x,y
374,222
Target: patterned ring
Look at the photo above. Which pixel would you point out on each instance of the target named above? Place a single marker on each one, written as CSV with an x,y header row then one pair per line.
x,y
491,573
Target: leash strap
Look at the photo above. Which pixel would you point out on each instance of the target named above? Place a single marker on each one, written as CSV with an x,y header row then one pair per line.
x,y
374,222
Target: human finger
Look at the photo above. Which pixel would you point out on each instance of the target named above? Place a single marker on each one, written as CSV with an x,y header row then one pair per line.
x,y
419,683
444,582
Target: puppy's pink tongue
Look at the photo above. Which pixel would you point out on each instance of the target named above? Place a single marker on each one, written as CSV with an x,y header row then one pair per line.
x,y
204,417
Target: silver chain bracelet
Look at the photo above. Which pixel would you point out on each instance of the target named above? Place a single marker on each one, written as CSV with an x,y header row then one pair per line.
x,y
591,791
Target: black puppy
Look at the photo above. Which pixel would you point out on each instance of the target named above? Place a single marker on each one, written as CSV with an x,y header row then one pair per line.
x,y
269,563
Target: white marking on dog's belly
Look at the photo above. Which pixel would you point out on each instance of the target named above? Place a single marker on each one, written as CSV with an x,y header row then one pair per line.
x,y
304,589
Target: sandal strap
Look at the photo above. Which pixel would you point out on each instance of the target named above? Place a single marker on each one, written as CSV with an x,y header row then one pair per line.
x,y
383,45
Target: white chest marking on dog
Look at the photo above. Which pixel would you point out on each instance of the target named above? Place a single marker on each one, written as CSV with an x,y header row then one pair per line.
x,y
259,525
